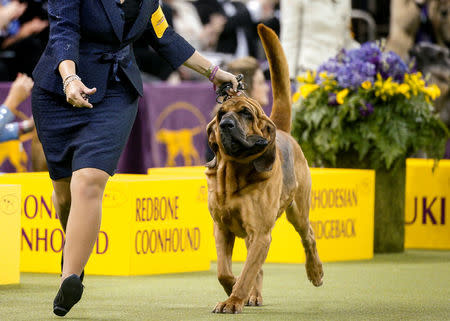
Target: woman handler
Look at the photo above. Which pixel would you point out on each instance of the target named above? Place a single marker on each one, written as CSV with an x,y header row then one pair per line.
x,y
84,104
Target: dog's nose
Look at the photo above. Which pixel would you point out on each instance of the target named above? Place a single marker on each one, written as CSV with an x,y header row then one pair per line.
x,y
226,123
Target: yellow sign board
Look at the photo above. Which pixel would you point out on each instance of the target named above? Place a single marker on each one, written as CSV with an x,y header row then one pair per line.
x,y
427,225
149,226
10,234
341,215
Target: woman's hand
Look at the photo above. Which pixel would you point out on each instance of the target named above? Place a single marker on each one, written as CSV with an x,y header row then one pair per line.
x,y
223,77
19,91
11,11
77,94
32,27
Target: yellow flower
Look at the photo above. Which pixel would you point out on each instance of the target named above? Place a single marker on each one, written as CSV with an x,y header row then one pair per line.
x,y
366,85
308,78
296,97
404,90
324,75
311,77
306,89
329,84
341,95
301,79
432,91
385,88
415,82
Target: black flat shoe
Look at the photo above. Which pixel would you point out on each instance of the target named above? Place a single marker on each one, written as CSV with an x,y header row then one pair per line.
x,y
68,295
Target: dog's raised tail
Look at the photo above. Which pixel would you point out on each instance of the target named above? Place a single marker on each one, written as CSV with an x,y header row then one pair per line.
x,y
279,74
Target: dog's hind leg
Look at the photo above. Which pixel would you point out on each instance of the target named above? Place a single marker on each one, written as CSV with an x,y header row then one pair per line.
x,y
224,248
255,298
298,215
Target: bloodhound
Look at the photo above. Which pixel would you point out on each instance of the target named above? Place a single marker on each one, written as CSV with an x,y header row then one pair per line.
x,y
258,172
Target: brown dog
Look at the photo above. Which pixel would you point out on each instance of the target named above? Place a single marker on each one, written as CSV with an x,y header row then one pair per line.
x,y
259,171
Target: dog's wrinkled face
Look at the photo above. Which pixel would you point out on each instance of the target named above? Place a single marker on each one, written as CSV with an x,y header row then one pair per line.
x,y
240,129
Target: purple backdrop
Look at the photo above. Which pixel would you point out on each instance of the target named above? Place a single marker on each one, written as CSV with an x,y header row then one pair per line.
x,y
170,127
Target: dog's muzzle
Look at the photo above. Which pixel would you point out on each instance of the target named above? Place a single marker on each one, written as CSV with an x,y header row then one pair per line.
x,y
236,143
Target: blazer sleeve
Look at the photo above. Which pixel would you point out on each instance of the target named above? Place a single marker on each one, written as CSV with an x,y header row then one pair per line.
x,y
64,20
166,42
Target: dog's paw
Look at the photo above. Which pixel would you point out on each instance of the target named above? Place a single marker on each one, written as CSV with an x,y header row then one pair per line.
x,y
314,271
255,301
231,305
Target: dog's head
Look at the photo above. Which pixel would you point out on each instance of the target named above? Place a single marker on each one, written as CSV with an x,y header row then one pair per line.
x,y
242,132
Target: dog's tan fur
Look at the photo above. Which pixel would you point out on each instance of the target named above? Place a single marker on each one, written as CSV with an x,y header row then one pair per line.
x,y
248,193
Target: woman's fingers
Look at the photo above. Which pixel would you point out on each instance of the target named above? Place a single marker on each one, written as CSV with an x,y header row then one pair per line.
x,y
78,101
89,91
78,94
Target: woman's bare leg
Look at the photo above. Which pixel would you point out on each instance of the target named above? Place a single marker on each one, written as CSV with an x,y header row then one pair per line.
x,y
87,186
61,199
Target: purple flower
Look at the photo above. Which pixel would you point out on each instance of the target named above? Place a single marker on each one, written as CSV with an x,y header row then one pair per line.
x,y
332,99
353,67
393,66
366,110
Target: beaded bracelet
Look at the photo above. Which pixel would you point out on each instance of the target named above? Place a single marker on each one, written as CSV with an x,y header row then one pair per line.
x,y
68,80
209,71
213,73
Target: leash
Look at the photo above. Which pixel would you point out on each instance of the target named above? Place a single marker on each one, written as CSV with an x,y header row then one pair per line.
x,y
222,92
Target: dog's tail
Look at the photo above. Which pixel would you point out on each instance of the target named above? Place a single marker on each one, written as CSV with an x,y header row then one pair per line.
x,y
279,74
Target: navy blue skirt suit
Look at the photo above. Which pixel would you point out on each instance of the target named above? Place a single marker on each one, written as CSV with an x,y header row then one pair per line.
x,y
91,33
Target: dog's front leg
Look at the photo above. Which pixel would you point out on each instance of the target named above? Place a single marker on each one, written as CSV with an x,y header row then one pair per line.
x,y
224,247
255,298
257,253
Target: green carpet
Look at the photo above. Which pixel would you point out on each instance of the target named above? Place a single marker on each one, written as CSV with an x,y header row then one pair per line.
x,y
414,285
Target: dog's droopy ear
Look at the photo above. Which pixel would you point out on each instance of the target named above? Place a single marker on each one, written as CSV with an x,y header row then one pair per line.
x,y
264,162
212,142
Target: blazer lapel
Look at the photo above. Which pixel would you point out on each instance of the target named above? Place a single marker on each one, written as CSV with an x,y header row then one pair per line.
x,y
113,13
141,21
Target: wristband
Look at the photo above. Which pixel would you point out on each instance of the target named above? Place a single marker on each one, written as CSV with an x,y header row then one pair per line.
x,y
213,73
209,71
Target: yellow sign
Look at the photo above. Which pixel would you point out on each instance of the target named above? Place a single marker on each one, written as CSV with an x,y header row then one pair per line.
x,y
159,22
427,225
149,226
341,215
10,234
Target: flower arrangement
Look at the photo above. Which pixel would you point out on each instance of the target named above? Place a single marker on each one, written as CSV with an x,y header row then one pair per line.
x,y
369,103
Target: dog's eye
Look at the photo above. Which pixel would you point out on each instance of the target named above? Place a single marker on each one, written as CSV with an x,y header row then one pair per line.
x,y
246,113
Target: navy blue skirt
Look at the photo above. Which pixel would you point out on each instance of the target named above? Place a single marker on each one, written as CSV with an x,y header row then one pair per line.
x,y
75,138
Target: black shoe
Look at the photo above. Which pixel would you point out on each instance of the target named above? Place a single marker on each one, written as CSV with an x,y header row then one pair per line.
x,y
68,294
62,264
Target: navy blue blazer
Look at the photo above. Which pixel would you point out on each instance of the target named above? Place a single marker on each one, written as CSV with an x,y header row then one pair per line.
x,y
90,32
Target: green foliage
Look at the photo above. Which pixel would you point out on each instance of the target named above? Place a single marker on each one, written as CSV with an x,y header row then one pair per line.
x,y
397,128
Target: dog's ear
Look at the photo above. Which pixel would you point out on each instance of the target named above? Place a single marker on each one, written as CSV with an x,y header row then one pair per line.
x,y
212,142
264,162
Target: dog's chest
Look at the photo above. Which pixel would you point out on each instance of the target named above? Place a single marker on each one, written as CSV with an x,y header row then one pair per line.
x,y
231,219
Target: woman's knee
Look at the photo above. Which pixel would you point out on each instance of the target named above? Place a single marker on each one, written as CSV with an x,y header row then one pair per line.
x,y
89,183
